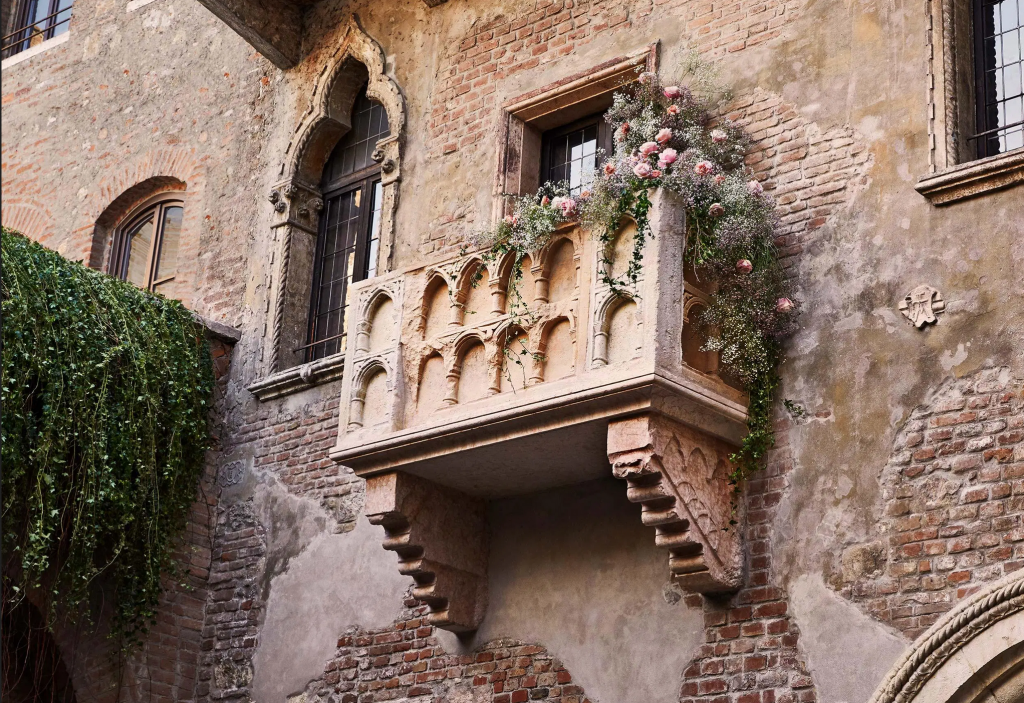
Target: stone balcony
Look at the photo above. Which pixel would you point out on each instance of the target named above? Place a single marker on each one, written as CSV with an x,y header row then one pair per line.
x,y
438,421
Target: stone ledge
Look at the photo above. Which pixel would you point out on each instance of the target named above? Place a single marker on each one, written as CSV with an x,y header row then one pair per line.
x,y
39,48
973,178
299,378
218,330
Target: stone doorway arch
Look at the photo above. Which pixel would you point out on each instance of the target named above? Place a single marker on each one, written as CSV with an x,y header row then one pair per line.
x,y
974,654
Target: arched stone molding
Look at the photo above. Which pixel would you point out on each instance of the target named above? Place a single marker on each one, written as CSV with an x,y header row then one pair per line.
x,y
974,653
361,381
608,304
541,371
28,217
353,58
167,169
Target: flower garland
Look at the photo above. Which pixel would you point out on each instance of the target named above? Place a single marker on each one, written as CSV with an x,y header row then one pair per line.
x,y
106,390
665,137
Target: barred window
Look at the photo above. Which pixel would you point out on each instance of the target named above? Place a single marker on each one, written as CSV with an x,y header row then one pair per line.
x,y
999,65
32,22
349,230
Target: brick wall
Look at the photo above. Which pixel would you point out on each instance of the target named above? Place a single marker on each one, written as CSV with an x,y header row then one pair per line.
x,y
405,660
953,504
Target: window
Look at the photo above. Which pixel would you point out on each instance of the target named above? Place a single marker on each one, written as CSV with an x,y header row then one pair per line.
x,y
35,21
570,153
998,66
145,248
349,230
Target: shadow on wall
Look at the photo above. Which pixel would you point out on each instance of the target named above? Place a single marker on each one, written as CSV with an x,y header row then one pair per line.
x,y
575,570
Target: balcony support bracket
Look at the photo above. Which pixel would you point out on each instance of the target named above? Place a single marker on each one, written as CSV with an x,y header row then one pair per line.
x,y
440,536
680,477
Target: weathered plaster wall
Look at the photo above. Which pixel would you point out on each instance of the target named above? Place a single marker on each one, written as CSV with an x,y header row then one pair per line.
x,y
835,94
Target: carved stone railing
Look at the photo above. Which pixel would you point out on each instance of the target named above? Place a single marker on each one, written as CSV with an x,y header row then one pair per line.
x,y
431,405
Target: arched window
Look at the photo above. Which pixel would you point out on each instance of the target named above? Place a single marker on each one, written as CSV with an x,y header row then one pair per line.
x,y
349,229
145,246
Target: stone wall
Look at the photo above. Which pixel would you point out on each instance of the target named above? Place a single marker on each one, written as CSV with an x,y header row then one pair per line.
x,y
893,486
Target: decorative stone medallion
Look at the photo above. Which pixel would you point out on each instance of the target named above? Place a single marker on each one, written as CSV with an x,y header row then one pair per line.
x,y
921,306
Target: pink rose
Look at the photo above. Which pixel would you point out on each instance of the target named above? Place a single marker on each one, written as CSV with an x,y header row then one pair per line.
x,y
545,200
668,156
755,187
673,110
744,266
718,136
642,170
655,173
716,210
510,220
609,169
672,92
646,77
624,129
584,194
784,305
719,179
663,136
568,207
648,148
703,168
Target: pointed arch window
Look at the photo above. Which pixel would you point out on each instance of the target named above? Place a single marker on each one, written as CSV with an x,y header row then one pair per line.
x,y
348,235
145,248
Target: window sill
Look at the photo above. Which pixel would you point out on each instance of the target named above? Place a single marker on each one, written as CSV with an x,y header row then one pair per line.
x,y
299,378
34,50
974,178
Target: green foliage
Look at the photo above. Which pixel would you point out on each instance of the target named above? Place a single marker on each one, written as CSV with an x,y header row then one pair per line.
x,y
106,391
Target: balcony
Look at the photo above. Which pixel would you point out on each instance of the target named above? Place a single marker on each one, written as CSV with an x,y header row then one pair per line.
x,y
438,421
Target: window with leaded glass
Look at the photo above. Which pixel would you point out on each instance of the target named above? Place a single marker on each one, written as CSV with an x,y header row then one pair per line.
x,y
145,248
570,154
349,228
999,65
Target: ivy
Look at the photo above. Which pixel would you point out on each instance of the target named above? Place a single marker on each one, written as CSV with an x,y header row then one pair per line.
x,y
106,391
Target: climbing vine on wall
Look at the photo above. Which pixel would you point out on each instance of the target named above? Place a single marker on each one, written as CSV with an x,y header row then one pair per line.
x,y
106,390
667,137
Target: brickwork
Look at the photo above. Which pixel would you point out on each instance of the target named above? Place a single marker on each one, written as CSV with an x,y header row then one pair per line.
x,y
953,511
750,653
405,660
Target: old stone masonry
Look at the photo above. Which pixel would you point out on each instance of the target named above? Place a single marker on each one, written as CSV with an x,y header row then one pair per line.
x,y
451,470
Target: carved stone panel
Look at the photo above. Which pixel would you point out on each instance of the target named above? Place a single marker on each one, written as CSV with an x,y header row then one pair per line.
x,y
680,477
440,536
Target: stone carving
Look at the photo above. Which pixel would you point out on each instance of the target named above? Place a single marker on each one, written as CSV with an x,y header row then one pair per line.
x,y
232,473
680,477
440,536
921,305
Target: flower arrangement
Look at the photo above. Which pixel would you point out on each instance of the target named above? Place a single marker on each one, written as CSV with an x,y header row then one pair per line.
x,y
666,137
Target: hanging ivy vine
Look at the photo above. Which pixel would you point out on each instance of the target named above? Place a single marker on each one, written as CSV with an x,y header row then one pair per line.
x,y
106,390
667,137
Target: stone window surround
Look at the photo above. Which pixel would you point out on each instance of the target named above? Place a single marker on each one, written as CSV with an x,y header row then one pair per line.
x,y
297,201
524,119
951,176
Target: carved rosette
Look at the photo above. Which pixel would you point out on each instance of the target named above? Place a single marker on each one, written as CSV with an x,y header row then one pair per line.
x,y
680,477
440,536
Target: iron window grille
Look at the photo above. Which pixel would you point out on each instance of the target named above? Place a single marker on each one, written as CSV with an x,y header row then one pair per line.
x,y
35,22
999,72
570,153
145,249
348,237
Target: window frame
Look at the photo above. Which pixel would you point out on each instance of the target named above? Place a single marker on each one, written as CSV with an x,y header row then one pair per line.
x,y
984,129
367,180
604,140
49,25
120,251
